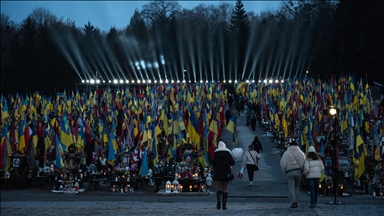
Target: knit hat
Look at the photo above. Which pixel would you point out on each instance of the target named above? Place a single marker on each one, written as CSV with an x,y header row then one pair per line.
x,y
311,149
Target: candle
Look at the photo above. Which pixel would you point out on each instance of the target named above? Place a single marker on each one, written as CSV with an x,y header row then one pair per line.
x,y
181,188
190,187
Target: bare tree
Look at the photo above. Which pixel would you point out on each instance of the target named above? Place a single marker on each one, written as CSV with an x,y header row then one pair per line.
x,y
41,15
159,9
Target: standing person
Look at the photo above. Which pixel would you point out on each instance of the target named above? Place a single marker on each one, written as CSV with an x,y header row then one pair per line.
x,y
313,167
222,163
257,144
250,162
292,163
253,120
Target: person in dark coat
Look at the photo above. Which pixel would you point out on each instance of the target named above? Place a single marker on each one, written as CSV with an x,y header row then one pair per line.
x,y
222,165
257,144
253,121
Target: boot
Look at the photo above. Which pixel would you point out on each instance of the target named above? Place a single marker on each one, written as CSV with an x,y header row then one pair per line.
x,y
218,195
225,196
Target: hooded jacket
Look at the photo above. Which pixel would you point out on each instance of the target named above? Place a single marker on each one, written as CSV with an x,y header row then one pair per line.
x,y
222,162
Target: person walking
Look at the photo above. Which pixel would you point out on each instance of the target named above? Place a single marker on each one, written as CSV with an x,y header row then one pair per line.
x,y
222,166
313,167
250,162
292,163
257,144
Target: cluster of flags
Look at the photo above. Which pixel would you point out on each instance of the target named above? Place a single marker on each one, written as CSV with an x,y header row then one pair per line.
x,y
116,119
296,107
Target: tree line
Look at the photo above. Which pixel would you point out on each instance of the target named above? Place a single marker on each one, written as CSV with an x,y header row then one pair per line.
x,y
209,42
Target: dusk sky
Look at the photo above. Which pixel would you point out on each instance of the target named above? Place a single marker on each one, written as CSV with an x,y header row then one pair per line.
x,y
106,14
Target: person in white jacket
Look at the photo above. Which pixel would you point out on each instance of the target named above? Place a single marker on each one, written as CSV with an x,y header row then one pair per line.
x,y
313,167
250,162
292,163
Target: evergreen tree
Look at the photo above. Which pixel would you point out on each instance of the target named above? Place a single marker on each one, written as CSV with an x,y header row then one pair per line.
x,y
239,29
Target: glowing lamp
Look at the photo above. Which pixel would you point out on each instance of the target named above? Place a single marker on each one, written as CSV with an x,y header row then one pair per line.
x,y
235,81
172,81
115,81
82,81
155,81
201,81
161,81
166,81
168,186
176,186
121,81
110,81
133,81
103,81
330,111
253,81
247,81
138,81
183,81
149,81
143,81
230,81
223,81
270,81
97,81
87,81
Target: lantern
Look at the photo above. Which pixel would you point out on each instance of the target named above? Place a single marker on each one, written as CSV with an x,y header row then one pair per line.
x,y
176,186
168,187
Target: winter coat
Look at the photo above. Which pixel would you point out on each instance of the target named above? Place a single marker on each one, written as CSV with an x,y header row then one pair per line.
x,y
251,160
313,168
257,145
222,163
289,162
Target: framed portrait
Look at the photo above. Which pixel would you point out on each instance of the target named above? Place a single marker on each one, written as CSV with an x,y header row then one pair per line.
x,y
16,162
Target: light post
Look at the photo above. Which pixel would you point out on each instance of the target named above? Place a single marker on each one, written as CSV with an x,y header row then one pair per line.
x,y
333,138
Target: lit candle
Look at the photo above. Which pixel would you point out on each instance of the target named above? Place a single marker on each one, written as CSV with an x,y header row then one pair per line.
x,y
181,188
319,185
190,187
341,186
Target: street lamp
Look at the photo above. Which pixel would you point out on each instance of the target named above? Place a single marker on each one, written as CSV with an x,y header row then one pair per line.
x,y
333,139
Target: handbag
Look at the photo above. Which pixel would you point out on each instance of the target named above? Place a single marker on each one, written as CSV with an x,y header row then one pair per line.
x,y
230,176
255,167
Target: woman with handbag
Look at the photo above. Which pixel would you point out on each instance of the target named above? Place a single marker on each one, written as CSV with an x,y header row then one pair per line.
x,y
222,165
250,162
313,167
